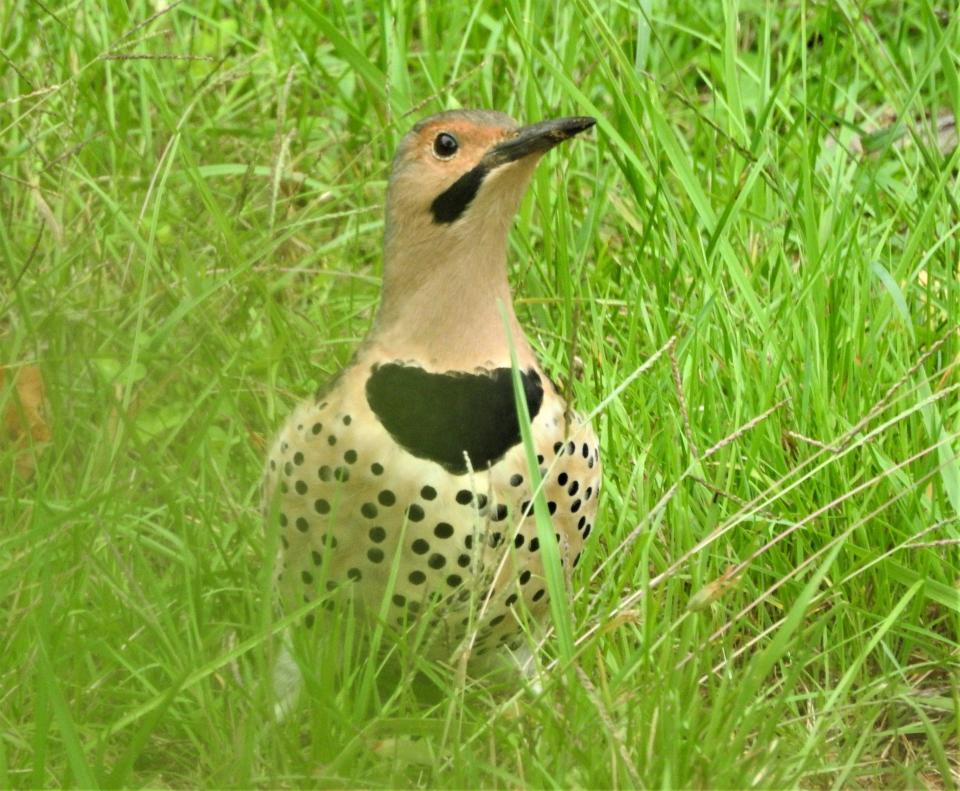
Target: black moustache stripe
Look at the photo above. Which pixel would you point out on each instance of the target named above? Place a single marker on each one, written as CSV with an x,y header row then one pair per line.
x,y
450,204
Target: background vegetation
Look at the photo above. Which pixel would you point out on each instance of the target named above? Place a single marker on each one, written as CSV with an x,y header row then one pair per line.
x,y
190,226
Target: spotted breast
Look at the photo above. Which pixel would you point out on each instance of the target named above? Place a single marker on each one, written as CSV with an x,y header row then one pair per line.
x,y
395,466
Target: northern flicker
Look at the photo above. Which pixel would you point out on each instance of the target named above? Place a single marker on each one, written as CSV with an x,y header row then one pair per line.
x,y
411,458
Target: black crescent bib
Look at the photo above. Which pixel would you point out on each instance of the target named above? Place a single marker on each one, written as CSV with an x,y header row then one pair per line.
x,y
442,416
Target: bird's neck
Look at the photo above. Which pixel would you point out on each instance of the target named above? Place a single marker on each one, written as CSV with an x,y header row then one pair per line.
x,y
449,308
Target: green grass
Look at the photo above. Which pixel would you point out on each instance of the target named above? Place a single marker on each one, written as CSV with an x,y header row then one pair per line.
x,y
190,230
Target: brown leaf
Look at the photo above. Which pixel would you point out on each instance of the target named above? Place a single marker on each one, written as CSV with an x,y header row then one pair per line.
x,y
258,440
712,591
24,426
620,618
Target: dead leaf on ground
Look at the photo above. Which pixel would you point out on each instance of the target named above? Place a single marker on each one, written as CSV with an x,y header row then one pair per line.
x,y
24,426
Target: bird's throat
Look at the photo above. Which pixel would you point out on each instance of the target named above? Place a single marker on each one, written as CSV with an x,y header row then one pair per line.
x,y
450,311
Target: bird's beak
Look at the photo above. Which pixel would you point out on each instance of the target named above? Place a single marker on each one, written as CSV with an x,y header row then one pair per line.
x,y
535,139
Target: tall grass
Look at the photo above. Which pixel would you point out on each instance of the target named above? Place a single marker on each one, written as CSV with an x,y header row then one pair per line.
x,y
753,259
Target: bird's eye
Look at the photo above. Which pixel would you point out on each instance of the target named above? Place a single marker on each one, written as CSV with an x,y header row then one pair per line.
x,y
445,145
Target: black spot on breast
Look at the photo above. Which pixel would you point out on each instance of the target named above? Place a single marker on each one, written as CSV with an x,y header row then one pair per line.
x,y
441,416
415,512
450,204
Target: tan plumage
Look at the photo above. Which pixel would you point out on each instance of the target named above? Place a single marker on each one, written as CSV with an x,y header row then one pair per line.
x,y
373,469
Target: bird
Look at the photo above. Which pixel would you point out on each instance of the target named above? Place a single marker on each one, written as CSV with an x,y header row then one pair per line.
x,y
403,483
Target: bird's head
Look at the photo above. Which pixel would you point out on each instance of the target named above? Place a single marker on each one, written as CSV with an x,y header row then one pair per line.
x,y
455,185
458,176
